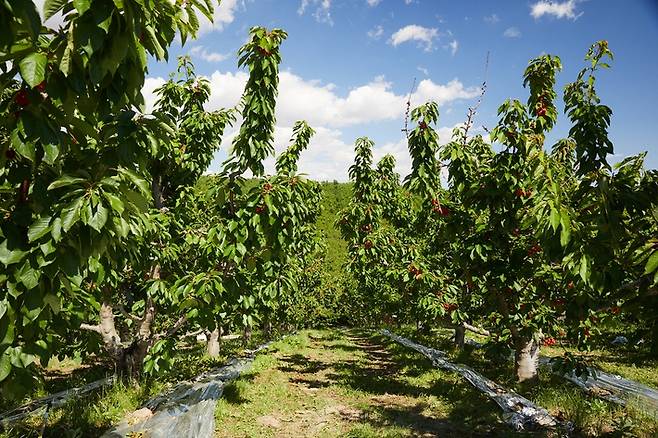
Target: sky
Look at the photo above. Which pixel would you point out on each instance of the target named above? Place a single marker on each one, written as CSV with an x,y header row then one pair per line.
x,y
349,65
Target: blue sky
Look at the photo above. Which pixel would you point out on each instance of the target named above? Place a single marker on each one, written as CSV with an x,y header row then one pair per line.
x,y
349,64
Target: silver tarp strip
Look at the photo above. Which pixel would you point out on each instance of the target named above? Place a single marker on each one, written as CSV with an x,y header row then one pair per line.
x,y
519,412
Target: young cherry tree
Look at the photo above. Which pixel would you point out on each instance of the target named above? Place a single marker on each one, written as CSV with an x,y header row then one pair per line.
x,y
140,289
74,189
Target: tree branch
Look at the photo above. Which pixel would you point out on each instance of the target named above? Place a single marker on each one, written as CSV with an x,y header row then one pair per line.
x,y
125,313
94,328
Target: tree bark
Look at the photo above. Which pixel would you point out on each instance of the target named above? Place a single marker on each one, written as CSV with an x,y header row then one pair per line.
x,y
246,335
214,342
526,360
460,336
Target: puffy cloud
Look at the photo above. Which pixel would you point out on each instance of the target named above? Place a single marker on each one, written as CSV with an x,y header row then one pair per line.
x,y
322,13
566,9
512,32
329,154
376,33
413,32
373,2
206,55
148,91
223,15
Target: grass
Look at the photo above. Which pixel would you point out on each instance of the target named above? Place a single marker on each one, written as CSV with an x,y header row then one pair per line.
x,y
347,383
591,415
91,415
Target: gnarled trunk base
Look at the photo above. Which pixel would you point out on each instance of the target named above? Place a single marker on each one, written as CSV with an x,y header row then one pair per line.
x,y
526,360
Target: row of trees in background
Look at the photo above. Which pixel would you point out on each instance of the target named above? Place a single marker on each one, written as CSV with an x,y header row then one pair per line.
x,y
527,243
108,243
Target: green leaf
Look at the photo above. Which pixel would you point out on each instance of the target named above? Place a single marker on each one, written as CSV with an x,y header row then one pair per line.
x,y
115,202
555,218
652,263
54,302
81,6
140,182
99,218
71,214
25,149
8,257
565,234
51,7
5,365
50,153
33,68
38,229
30,278
64,181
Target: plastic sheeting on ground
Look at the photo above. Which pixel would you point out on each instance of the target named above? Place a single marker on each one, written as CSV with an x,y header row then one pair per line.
x,y
52,401
188,409
613,388
610,387
518,411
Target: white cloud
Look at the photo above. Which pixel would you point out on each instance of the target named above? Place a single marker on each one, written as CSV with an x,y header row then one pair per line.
x,y
148,91
566,9
512,32
373,2
376,33
322,13
329,154
203,53
454,45
413,32
492,19
223,15
423,70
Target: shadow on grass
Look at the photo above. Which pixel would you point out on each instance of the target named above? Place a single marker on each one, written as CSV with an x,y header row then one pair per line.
x,y
388,372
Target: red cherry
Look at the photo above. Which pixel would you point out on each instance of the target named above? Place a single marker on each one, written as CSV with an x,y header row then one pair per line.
x,y
10,154
570,285
541,112
422,125
615,310
587,333
260,209
368,244
549,342
41,87
267,187
21,98
519,192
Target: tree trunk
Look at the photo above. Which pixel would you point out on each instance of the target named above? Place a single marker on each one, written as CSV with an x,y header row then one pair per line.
x,y
526,360
460,336
132,357
246,335
267,328
213,342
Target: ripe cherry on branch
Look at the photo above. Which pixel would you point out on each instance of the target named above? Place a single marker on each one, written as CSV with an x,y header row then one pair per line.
x,y
260,209
21,98
368,244
41,87
549,342
422,125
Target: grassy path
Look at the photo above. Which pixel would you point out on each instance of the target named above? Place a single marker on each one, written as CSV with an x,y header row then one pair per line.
x,y
347,383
